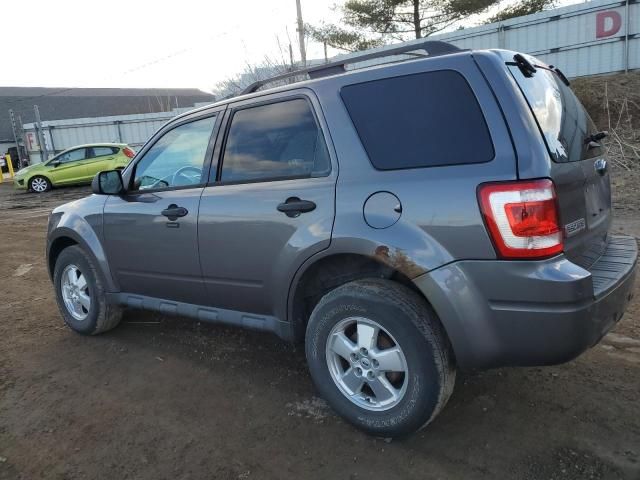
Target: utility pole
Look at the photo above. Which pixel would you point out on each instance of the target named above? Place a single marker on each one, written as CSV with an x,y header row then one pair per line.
x,y
43,147
303,53
15,136
291,57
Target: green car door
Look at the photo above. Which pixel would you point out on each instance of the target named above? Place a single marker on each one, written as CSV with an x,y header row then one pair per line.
x,y
69,167
100,158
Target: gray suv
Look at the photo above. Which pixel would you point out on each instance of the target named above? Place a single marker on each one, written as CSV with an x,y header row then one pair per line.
x,y
447,210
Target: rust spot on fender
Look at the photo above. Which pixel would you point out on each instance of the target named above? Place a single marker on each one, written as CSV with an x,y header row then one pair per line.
x,y
398,260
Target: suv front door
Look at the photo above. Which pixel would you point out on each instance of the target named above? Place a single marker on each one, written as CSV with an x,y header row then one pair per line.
x,y
151,230
274,160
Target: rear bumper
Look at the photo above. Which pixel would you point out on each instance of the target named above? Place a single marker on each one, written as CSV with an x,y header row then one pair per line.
x,y
524,313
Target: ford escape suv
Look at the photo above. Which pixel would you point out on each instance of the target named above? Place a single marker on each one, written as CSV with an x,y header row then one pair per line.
x,y
448,211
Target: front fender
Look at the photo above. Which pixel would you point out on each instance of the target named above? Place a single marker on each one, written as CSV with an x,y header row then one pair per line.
x,y
81,222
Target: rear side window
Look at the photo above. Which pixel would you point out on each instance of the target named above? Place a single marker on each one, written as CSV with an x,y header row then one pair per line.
x,y
561,117
422,120
103,151
274,141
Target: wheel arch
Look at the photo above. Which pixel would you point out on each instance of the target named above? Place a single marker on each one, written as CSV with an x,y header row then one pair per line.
x,y
85,237
55,249
326,271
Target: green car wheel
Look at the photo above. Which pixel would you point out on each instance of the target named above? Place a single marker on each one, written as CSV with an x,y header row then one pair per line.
x,y
39,184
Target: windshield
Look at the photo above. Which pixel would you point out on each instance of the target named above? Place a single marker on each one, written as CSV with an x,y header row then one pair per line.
x,y
563,121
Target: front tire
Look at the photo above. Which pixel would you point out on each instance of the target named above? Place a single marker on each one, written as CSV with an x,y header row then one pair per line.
x,y
39,184
80,294
380,357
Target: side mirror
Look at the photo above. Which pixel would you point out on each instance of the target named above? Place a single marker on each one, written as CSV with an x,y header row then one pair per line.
x,y
56,164
107,183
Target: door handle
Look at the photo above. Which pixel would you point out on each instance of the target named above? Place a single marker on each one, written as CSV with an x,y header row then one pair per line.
x,y
293,206
173,212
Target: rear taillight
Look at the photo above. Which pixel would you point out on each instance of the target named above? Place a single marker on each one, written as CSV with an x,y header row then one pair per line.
x,y
128,152
522,218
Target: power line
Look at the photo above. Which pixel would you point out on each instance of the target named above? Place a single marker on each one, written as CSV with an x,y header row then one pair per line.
x,y
136,68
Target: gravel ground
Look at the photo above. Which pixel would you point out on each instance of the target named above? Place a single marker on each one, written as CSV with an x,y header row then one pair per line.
x,y
163,397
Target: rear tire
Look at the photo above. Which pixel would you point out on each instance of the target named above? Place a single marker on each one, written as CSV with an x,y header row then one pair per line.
x,y
80,294
39,184
406,367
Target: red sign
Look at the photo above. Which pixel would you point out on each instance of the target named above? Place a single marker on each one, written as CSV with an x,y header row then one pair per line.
x,y
607,23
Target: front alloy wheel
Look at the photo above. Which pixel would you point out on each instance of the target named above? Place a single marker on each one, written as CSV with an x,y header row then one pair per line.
x,y
75,292
81,295
39,184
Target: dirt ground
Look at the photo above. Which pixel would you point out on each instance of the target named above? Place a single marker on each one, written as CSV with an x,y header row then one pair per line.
x,y
163,397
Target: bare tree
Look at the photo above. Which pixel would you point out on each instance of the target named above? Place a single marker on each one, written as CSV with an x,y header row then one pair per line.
x,y
269,67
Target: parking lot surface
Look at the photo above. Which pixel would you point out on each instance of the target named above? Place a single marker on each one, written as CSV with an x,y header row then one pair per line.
x,y
164,397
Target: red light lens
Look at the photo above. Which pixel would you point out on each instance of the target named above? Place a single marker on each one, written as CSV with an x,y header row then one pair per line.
x,y
527,219
522,218
128,152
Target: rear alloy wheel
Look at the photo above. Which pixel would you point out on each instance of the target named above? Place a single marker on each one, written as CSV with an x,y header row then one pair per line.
x,y
371,371
39,184
380,357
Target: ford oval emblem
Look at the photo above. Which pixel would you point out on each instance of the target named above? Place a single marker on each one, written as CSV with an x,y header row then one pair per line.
x,y
601,166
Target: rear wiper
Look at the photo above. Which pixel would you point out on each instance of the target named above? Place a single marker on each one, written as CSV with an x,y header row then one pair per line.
x,y
558,72
596,137
593,139
528,69
525,66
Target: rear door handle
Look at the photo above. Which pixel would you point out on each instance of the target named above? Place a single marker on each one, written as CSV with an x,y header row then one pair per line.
x,y
293,206
173,212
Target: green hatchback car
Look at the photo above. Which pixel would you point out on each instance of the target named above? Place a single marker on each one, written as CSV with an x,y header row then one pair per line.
x,y
74,166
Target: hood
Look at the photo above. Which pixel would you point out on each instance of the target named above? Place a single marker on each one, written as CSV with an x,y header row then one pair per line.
x,y
89,205
31,168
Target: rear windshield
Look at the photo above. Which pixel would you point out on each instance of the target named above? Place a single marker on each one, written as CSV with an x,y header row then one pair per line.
x,y
562,119
420,120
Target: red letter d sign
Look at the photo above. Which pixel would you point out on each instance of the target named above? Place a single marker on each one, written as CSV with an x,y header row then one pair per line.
x,y
607,24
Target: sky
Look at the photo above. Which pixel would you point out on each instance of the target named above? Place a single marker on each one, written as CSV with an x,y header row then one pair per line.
x,y
134,43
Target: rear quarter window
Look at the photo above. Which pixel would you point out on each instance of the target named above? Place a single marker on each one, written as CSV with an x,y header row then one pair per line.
x,y
421,120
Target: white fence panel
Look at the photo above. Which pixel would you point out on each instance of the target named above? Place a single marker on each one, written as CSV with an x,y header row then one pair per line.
x,y
584,39
59,135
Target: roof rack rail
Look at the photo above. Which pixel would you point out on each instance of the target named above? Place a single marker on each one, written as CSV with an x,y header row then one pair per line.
x,y
432,47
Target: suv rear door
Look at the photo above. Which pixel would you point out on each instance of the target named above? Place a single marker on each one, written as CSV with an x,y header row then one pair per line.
x,y
269,206
578,166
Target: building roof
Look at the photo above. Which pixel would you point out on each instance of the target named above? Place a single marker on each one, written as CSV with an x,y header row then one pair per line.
x,y
65,103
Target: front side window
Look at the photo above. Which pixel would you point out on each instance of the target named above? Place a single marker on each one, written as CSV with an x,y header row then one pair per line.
x,y
177,159
275,141
72,156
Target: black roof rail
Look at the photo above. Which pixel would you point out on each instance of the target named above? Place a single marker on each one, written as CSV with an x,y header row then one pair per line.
x,y
432,47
